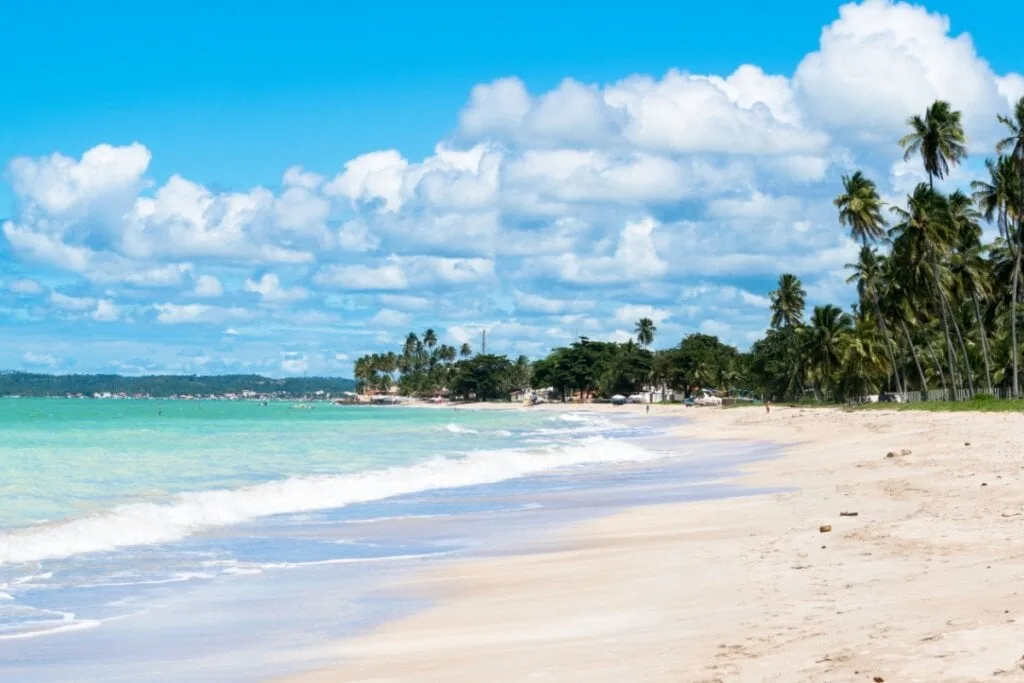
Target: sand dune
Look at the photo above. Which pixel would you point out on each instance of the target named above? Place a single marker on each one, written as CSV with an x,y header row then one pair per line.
x,y
924,584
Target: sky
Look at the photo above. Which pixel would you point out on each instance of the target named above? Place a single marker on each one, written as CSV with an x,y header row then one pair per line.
x,y
246,187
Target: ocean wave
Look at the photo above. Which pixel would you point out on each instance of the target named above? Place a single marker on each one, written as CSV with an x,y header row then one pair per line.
x,y
186,514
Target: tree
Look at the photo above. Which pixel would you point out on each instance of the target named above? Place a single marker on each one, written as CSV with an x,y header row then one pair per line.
x,y
645,331
787,302
483,377
430,339
860,209
465,351
824,345
938,138
867,273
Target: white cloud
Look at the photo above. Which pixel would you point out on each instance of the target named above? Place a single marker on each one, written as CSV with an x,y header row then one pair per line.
x,y
389,318
363,277
883,61
355,236
62,186
632,313
173,314
534,303
295,366
71,303
34,359
406,302
635,259
25,286
747,112
208,286
106,311
270,290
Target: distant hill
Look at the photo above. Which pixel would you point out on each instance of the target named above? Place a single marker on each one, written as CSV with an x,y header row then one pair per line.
x,y
32,384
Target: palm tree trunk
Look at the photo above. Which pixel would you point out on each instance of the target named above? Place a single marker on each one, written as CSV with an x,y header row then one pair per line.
x,y
938,366
945,321
917,362
968,374
984,341
1013,327
888,343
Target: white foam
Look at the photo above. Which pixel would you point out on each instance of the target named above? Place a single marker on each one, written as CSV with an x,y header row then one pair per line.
x,y
151,523
458,429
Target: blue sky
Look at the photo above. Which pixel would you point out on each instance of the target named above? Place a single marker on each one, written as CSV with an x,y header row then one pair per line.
x,y
251,188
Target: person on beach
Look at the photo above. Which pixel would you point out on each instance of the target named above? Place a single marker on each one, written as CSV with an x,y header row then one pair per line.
x,y
767,406
648,408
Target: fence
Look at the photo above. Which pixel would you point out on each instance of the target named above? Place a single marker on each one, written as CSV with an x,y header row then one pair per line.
x,y
946,395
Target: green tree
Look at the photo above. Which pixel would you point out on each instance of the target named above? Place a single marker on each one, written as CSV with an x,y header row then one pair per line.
x,y
938,137
645,331
787,302
860,209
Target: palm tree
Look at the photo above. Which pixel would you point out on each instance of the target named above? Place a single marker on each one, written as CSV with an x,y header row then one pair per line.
x,y
465,350
1014,142
787,302
938,137
412,344
867,273
968,268
922,234
645,331
1001,199
860,209
824,343
430,339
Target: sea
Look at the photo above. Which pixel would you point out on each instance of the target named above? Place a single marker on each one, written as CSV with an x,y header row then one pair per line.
x,y
159,540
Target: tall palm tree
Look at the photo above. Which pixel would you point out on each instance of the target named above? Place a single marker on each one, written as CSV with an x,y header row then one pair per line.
x,y
938,137
867,273
1001,199
860,209
465,350
921,236
970,276
1013,143
645,330
787,302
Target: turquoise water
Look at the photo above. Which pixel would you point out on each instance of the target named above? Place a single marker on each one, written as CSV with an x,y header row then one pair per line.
x,y
101,499
69,458
226,536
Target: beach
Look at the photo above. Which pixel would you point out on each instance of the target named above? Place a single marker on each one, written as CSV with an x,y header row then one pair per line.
x,y
919,581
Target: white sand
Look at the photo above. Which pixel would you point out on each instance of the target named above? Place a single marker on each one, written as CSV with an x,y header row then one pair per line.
x,y
925,584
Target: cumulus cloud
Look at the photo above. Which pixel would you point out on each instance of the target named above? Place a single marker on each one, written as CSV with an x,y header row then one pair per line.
x,y
271,291
207,286
106,311
881,61
635,258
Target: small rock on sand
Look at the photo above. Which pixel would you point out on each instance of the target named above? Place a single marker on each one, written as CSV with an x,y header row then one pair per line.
x,y
825,528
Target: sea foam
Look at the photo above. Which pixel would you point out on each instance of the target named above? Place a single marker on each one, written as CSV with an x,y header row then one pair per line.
x,y
188,513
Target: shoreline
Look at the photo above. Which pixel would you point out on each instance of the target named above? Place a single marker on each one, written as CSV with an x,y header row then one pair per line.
x,y
921,585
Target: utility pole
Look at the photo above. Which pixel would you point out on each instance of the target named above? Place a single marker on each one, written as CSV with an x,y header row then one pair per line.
x,y
483,346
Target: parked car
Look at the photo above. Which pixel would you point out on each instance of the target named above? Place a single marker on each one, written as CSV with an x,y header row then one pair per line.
x,y
890,398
